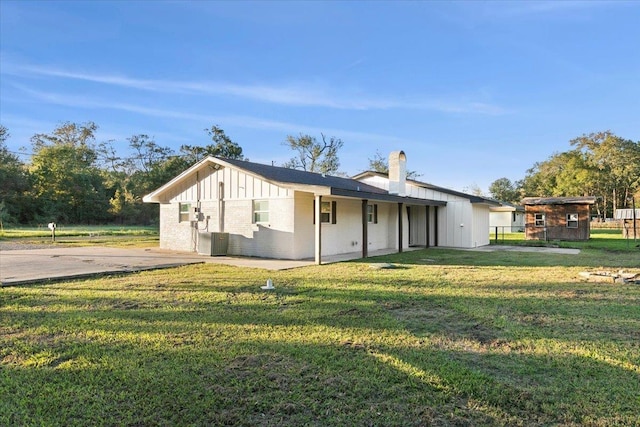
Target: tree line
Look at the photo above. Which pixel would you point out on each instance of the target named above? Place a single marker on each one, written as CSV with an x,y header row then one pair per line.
x,y
600,164
72,178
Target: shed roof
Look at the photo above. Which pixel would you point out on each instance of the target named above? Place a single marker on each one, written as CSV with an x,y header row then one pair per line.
x,y
626,214
588,200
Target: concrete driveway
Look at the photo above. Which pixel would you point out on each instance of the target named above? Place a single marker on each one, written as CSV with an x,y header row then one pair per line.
x,y
56,263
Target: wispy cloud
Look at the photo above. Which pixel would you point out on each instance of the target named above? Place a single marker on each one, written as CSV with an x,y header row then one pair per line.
x,y
249,122
301,95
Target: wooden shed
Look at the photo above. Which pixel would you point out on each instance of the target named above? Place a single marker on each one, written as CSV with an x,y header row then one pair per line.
x,y
557,218
627,217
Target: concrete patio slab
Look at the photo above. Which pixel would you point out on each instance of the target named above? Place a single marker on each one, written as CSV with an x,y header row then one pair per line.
x,y
57,263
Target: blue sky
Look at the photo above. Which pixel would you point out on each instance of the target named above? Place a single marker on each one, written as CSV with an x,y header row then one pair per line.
x,y
471,91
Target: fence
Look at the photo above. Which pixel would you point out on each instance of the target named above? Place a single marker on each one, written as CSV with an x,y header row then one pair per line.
x,y
498,232
613,224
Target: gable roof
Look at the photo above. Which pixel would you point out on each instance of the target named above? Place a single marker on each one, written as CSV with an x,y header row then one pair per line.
x,y
529,201
295,179
472,198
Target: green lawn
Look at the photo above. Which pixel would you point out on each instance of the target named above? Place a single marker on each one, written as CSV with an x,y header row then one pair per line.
x,y
446,338
602,238
78,235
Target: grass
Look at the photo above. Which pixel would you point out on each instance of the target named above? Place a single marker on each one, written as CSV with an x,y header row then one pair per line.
x,y
606,239
446,338
74,235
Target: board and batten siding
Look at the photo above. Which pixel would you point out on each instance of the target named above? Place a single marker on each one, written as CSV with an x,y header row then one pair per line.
x,y
229,208
237,185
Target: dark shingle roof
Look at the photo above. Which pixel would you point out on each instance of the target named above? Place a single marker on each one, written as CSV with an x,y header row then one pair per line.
x,y
294,176
472,198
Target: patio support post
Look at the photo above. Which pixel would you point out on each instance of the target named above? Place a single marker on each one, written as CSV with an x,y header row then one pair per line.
x,y
428,209
318,229
365,229
435,226
400,228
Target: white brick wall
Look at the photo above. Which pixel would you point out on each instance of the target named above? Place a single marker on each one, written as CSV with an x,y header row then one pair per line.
x,y
179,236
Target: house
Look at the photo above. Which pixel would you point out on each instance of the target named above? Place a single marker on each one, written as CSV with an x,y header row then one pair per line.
x,y
506,218
557,218
276,212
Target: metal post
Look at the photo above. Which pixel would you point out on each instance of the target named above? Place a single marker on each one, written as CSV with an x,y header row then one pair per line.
x,y
633,206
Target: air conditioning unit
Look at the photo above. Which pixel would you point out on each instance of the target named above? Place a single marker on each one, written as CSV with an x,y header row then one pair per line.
x,y
213,244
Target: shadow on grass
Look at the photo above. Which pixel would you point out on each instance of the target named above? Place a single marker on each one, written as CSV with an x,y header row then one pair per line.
x,y
332,345
256,382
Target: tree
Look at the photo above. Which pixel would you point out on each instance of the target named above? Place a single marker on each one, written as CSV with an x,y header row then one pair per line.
x,y
380,164
66,183
313,155
223,145
504,190
473,189
13,177
147,153
601,164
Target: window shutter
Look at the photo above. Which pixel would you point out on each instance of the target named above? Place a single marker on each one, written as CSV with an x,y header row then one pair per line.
x,y
314,211
375,214
333,213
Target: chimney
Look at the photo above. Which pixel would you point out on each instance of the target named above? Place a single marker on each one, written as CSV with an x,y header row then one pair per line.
x,y
397,173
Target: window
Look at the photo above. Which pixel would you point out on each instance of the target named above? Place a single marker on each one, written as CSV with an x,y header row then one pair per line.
x,y
539,220
372,214
572,220
327,212
185,212
260,211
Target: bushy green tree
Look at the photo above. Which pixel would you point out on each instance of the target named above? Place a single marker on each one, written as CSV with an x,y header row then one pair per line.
x,y
504,190
65,181
13,183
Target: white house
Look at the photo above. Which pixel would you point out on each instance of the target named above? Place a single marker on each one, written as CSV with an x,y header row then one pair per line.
x,y
276,212
507,218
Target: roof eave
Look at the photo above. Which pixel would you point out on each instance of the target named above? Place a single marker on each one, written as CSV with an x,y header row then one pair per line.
x,y
385,197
